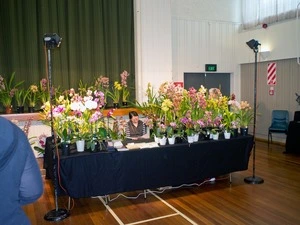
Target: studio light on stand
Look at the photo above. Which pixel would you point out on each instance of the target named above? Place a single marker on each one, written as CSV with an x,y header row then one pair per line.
x,y
253,44
52,41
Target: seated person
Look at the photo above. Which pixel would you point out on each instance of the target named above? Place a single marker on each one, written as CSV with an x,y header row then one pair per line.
x,y
135,128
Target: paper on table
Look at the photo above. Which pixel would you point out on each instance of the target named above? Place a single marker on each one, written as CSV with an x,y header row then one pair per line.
x,y
122,149
142,145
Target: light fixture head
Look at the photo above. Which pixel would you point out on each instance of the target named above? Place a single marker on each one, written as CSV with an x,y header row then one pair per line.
x,y
253,44
52,40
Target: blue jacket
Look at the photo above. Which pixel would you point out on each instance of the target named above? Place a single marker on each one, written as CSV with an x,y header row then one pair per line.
x,y
20,177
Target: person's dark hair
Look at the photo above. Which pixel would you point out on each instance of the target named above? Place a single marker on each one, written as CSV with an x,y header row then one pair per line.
x,y
132,114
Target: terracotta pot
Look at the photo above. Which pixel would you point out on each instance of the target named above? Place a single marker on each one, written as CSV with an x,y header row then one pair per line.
x,y
9,110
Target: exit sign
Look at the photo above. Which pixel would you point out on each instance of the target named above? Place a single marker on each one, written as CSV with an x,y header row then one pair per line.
x,y
211,67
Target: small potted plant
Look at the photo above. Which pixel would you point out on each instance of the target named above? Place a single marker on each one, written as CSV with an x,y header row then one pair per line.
x,y
245,116
114,94
32,97
21,96
43,93
125,91
171,133
7,91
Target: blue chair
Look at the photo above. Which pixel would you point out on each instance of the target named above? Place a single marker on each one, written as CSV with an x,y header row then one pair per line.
x,y
280,123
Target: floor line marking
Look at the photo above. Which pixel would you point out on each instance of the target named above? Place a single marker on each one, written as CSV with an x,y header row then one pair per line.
x,y
180,213
155,218
152,219
111,211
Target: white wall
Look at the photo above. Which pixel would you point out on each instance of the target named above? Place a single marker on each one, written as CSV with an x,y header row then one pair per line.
x,y
205,32
177,36
153,44
279,38
210,10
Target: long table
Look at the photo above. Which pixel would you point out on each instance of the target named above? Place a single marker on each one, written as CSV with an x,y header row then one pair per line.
x,y
92,174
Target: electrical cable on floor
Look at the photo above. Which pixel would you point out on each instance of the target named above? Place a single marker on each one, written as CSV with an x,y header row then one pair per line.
x,y
163,189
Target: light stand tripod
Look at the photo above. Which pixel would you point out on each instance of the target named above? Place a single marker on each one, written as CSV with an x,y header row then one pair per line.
x,y
51,41
253,44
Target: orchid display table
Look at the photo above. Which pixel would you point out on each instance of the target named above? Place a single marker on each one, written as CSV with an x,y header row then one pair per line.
x,y
85,174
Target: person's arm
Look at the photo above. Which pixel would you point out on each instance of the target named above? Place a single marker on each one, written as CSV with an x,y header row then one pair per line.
x,y
31,186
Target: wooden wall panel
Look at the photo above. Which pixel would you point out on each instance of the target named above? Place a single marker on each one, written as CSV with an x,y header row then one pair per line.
x,y
288,83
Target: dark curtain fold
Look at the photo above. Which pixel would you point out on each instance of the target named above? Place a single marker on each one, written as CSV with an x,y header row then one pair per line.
x,y
97,39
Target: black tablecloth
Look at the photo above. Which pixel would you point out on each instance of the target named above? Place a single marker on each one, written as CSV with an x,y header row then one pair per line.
x,y
292,144
92,174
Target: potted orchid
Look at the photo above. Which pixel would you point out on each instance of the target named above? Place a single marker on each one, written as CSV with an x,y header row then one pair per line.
x,y
114,94
43,93
189,126
77,116
21,96
7,91
32,97
171,132
102,84
125,92
245,114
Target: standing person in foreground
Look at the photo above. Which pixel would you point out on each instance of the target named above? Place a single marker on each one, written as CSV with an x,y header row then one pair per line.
x,y
20,176
135,127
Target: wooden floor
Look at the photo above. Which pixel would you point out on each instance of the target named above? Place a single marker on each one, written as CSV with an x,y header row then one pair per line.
x,y
276,201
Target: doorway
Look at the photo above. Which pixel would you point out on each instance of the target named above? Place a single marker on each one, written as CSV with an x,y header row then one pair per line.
x,y
208,80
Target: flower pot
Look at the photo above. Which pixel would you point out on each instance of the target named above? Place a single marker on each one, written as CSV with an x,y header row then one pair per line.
x,y
179,140
215,136
206,136
196,137
20,109
8,110
31,109
190,139
163,141
156,139
227,134
244,131
65,148
80,145
116,105
234,132
125,104
171,140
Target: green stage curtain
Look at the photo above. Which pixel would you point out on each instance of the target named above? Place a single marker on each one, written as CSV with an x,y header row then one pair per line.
x,y
97,39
